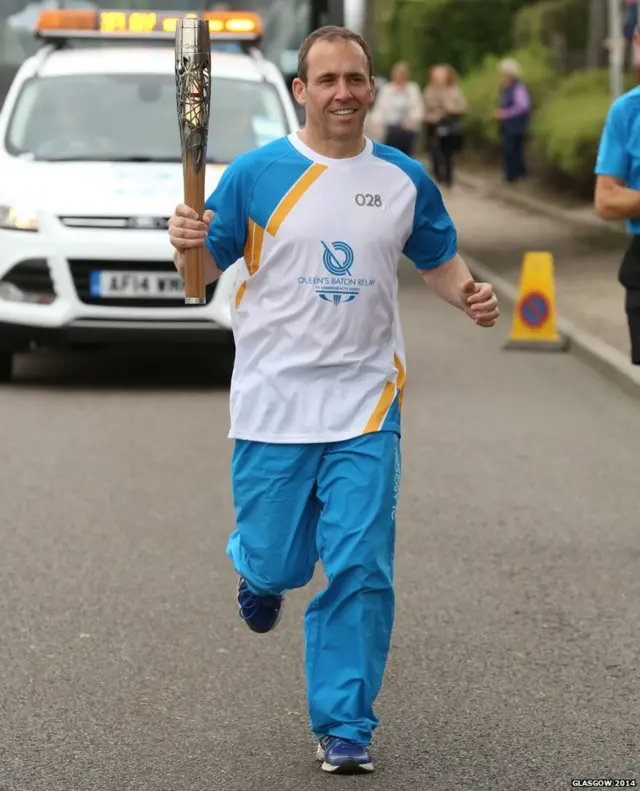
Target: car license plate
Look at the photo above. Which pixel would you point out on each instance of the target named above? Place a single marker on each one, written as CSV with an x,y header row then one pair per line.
x,y
136,285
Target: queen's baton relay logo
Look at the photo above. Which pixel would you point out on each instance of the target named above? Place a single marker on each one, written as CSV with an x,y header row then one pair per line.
x,y
341,287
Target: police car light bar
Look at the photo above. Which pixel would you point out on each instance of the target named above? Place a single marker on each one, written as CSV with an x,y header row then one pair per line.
x,y
68,23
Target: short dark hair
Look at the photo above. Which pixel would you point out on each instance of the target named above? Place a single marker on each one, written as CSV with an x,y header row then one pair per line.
x,y
330,33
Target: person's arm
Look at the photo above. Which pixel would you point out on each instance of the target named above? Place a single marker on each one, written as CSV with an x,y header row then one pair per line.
x,y
222,230
455,102
416,109
613,200
433,248
432,109
521,103
229,202
447,280
378,113
433,240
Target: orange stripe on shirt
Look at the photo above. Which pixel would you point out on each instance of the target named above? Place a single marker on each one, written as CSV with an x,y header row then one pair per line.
x,y
293,196
382,407
253,247
402,378
386,399
240,293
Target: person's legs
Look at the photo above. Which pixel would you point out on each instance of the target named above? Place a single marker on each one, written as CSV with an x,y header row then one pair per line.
x,y
508,158
273,547
633,321
400,138
632,309
520,166
348,625
629,279
448,145
438,161
409,143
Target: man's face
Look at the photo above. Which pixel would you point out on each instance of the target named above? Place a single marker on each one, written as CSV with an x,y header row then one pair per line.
x,y
339,89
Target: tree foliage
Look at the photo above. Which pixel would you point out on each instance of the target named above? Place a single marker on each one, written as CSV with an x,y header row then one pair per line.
x,y
459,32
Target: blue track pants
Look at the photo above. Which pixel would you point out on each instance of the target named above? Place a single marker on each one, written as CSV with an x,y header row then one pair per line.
x,y
336,502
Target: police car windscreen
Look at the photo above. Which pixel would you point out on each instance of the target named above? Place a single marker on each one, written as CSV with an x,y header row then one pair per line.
x,y
130,117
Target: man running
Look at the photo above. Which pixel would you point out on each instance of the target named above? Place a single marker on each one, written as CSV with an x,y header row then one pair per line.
x,y
321,218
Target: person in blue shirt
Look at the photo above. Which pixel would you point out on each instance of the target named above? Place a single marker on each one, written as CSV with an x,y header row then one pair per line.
x,y
617,196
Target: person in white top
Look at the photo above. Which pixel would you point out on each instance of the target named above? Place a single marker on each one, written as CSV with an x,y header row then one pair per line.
x,y
319,221
398,112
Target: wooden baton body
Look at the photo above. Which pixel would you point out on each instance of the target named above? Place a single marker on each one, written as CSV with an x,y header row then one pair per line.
x,y
194,281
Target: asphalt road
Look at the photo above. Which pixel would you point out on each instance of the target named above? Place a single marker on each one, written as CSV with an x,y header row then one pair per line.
x,y
123,665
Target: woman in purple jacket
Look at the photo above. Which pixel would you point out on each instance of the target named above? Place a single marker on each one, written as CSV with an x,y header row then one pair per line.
x,y
514,112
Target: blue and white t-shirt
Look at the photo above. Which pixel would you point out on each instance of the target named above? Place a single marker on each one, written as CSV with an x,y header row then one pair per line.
x,y
319,347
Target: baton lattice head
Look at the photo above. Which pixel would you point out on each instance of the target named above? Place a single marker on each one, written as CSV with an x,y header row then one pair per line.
x,y
193,84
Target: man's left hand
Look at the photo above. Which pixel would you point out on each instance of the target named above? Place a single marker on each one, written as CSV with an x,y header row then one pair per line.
x,y
480,303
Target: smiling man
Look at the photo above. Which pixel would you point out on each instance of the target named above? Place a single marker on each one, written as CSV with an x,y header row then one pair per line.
x,y
321,219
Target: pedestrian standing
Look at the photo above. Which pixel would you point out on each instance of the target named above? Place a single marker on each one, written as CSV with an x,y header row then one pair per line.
x,y
445,105
399,111
514,114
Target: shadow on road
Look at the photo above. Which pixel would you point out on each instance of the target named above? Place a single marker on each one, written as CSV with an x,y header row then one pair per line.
x,y
142,368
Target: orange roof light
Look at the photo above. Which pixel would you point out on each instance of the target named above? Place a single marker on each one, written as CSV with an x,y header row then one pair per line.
x,y
65,22
234,22
66,19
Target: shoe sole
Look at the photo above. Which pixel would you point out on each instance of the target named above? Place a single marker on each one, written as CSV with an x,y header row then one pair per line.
x,y
345,768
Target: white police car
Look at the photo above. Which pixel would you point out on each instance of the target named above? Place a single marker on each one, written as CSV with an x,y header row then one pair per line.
x,y
90,172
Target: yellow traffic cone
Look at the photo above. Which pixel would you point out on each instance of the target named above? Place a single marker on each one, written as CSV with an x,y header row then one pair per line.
x,y
534,316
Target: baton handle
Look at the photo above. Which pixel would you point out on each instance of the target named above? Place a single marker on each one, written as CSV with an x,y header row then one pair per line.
x,y
194,285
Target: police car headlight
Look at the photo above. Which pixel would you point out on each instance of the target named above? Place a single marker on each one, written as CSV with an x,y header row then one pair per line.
x,y
9,292
18,218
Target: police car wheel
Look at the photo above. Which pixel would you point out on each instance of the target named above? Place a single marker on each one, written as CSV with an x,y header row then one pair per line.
x,y
6,366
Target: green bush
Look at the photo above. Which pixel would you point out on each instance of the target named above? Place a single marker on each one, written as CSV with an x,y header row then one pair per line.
x,y
568,115
591,81
481,88
566,129
545,21
426,32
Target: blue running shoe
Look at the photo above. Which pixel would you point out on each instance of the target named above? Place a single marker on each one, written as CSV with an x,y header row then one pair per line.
x,y
260,613
343,757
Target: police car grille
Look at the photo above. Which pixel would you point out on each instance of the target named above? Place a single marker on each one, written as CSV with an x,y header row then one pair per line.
x,y
81,270
31,276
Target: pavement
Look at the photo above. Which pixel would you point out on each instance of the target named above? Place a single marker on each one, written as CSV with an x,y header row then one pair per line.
x,y
124,666
497,224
